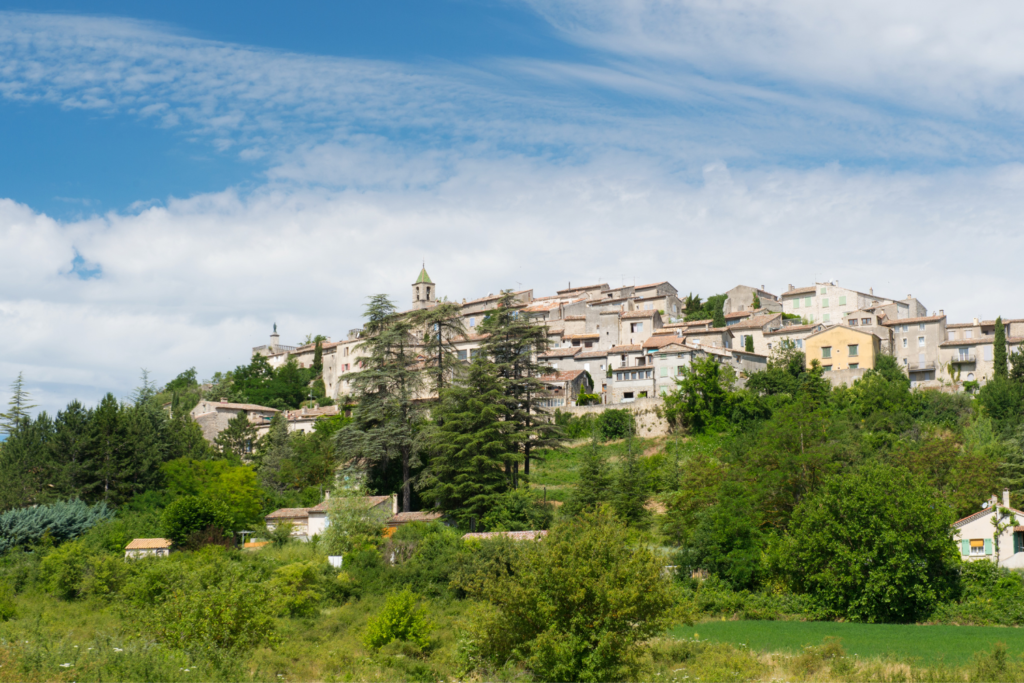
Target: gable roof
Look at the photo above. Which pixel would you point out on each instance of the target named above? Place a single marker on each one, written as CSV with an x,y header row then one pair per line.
x,y
626,348
562,376
660,340
979,514
592,354
639,314
800,290
289,513
755,322
237,406
562,352
907,321
787,329
148,544
368,501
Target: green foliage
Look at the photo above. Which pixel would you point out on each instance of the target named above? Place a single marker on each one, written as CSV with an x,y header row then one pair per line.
x,y
231,484
756,302
273,450
727,539
712,309
748,344
873,546
354,526
631,488
60,521
8,608
238,439
1000,370
19,406
617,423
63,569
575,426
584,620
701,400
518,510
295,589
399,620
191,515
588,399
594,486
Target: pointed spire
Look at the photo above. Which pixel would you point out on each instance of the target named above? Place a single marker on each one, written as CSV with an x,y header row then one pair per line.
x,y
423,278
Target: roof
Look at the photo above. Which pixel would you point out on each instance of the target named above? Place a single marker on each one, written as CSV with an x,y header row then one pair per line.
x,y
653,284
626,348
311,413
592,354
979,514
148,544
514,535
423,278
755,322
591,335
289,513
660,340
980,340
237,406
575,317
582,289
368,501
709,329
786,329
562,352
639,314
420,516
845,328
563,376
907,321
491,297
738,314
535,307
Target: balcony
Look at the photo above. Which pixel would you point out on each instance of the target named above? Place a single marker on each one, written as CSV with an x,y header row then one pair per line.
x,y
969,358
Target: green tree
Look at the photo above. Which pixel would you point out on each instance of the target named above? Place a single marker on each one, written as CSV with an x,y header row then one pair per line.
x,y
756,302
700,401
468,452
874,545
354,525
399,619
631,490
442,326
19,405
727,539
318,358
189,515
999,367
238,438
719,317
594,485
748,344
273,452
385,420
588,619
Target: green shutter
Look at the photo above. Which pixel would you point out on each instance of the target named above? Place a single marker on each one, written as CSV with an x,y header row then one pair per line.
x,y
796,303
965,547
1018,542
824,302
842,301
807,302
988,546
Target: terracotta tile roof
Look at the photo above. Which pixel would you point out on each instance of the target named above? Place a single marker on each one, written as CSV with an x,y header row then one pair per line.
x,y
743,352
589,335
978,515
738,314
289,513
148,544
492,297
789,329
310,413
756,322
653,284
535,307
677,325
514,535
983,323
592,354
562,352
980,340
312,347
237,406
658,341
697,322
420,516
626,348
639,314
563,376
800,290
368,501
708,330
575,317
907,321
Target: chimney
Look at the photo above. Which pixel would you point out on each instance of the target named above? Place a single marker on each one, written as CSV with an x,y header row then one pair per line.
x,y
327,495
791,288
871,291
942,312
1006,498
394,503
910,296
976,322
223,400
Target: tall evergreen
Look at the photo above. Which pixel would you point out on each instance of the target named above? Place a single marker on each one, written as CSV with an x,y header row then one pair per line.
x,y
24,466
69,449
318,358
631,489
468,452
999,367
513,345
719,317
19,405
383,430
442,326
594,486
274,450
748,345
238,438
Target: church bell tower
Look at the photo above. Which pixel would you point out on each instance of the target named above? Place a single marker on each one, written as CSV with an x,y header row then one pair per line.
x,y
424,293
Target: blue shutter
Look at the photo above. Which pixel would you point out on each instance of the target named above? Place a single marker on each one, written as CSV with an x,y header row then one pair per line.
x,y
988,546
965,547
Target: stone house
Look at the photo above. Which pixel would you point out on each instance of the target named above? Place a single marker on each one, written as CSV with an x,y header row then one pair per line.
x,y
741,299
792,334
560,359
636,326
658,296
755,328
147,547
297,517
213,416
596,363
827,302
669,362
563,388
975,534
309,522
714,337
969,349
915,343
845,353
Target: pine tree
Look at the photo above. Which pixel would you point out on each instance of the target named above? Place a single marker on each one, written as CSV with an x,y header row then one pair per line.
x,y
239,438
442,326
513,345
631,489
719,319
19,405
24,464
108,445
594,487
465,474
70,448
999,367
273,451
383,430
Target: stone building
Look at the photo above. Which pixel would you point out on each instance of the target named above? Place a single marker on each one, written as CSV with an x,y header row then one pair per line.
x,y
213,416
740,299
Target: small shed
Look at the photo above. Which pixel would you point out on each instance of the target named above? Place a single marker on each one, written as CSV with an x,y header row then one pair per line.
x,y
148,547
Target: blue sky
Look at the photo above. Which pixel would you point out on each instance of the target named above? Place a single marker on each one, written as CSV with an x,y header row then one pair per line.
x,y
178,178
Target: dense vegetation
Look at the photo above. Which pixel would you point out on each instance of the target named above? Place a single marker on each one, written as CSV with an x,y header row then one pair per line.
x,y
784,499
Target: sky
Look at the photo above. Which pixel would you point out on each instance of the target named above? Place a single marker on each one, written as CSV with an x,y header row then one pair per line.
x,y
176,179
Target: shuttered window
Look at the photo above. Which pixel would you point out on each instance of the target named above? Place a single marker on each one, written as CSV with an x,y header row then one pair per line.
x,y
842,301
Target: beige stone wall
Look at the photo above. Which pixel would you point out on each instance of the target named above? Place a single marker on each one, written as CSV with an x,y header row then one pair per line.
x,y
645,412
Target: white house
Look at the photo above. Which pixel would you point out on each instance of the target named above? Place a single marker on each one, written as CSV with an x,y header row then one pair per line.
x,y
975,534
148,547
308,522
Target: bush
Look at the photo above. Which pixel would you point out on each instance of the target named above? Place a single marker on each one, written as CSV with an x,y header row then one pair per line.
x,y
399,620
63,569
575,426
60,521
8,610
617,423
295,589
190,514
990,595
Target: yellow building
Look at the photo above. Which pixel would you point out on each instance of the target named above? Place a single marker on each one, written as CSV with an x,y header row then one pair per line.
x,y
845,350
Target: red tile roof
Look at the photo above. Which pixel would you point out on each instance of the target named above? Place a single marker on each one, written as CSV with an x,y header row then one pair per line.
x,y
626,348
801,290
756,322
148,544
907,321
563,376
639,314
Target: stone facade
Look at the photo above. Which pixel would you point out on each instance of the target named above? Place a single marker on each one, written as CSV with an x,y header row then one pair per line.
x,y
213,416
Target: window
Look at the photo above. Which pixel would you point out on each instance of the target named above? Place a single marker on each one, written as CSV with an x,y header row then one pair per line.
x,y
463,355
807,302
922,358
627,396
920,326
679,369
920,341
826,368
852,322
810,318
428,292
648,307
796,303
854,349
952,335
472,322
904,360
978,546
824,291
826,351
905,328
826,317
636,327
842,301
968,334
988,352
964,353
664,372
632,375
865,321
824,302
473,353
904,342
970,376
650,374
769,346
854,366
799,343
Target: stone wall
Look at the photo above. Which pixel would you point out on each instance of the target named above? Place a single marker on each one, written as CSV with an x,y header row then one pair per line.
x,y
645,412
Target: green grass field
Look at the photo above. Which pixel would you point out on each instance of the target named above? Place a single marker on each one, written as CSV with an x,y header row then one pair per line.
x,y
924,645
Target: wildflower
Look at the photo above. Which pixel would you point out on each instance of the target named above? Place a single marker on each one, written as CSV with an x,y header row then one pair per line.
x,y
117,649
65,665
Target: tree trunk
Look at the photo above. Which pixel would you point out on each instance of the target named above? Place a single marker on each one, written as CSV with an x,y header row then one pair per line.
x,y
406,484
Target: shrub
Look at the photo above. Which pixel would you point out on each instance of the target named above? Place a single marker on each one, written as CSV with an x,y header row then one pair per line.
x,y
60,521
617,423
295,589
281,533
8,610
575,426
63,569
104,576
190,514
588,399
401,620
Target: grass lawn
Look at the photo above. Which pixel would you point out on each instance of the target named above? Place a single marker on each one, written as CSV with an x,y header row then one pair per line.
x,y
925,645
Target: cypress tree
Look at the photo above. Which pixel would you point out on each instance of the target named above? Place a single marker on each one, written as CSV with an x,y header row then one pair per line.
x,y
749,343
999,367
719,318
630,500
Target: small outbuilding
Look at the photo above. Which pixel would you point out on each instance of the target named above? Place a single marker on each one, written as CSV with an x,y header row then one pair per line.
x,y
148,547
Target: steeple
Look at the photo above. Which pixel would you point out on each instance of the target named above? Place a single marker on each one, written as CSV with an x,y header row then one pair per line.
x,y
423,294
